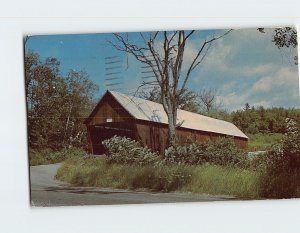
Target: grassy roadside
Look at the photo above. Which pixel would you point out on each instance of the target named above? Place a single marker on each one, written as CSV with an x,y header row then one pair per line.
x,y
97,172
48,156
262,142
209,179
215,180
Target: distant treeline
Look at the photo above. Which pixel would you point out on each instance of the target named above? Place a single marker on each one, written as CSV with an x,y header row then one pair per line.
x,y
261,120
255,120
250,119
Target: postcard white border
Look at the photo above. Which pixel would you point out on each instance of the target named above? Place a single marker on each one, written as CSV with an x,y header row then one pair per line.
x,y
18,18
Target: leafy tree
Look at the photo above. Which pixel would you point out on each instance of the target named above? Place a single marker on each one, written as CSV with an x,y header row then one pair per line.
x,y
56,105
78,103
283,165
284,37
247,107
261,120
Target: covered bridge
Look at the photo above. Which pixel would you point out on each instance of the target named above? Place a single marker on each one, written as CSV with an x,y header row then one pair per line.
x,y
146,121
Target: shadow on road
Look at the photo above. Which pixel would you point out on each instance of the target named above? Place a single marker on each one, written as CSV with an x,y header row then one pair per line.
x,y
83,190
46,191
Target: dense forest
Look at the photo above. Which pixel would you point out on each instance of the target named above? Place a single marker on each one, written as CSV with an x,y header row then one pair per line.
x,y
260,120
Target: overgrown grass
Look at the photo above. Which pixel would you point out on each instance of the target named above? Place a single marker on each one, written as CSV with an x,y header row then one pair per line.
x,y
209,179
48,156
224,180
198,168
262,142
98,172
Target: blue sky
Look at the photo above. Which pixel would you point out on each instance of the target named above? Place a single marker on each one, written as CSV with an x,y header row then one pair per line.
x,y
245,66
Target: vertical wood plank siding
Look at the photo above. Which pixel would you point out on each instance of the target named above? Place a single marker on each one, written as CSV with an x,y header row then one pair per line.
x,y
152,134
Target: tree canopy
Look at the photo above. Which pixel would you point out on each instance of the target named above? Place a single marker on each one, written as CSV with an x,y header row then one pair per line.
x,y
56,105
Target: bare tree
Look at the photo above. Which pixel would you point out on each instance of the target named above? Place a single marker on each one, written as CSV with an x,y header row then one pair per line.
x,y
189,100
208,100
163,52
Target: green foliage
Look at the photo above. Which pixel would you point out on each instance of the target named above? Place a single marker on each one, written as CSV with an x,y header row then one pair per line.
x,y
222,151
194,153
280,185
56,105
122,150
168,177
220,180
282,165
48,156
260,120
102,173
215,167
291,144
262,142
286,37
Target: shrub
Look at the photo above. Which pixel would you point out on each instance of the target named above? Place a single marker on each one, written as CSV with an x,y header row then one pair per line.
x,y
224,152
194,153
218,152
101,172
282,166
122,150
280,185
291,144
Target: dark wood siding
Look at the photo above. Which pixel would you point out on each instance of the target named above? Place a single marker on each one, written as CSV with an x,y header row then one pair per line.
x,y
155,136
120,123
100,132
109,108
151,134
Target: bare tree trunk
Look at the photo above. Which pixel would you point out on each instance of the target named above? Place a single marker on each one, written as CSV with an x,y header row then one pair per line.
x,y
171,110
171,129
67,124
165,61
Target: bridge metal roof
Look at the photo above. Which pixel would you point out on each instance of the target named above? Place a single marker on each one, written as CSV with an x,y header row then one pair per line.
x,y
150,111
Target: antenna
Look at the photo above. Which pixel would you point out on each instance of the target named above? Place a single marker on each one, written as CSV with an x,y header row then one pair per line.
x,y
113,69
148,75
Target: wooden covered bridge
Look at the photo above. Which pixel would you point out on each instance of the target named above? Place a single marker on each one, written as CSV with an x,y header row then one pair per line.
x,y
146,121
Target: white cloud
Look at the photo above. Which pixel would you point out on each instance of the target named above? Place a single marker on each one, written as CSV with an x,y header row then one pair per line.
x,y
280,89
246,66
233,101
284,80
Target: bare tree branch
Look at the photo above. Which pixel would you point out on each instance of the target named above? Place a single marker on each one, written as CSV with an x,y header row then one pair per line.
x,y
194,64
164,55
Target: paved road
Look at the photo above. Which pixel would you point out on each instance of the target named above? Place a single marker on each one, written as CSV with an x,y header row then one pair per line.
x,y
46,191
